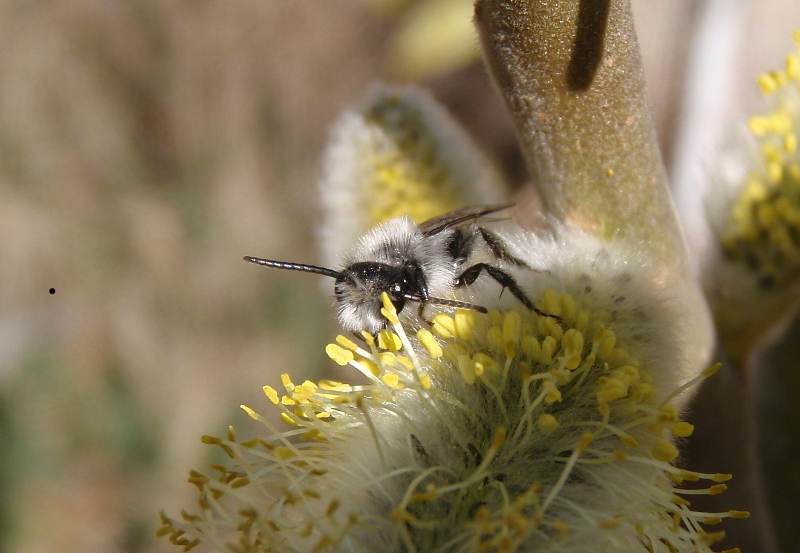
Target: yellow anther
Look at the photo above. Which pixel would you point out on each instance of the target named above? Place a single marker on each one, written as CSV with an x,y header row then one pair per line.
x,y
774,172
569,307
665,451
370,366
391,380
464,321
553,394
793,67
444,325
712,370
346,343
609,523
390,315
250,412
667,413
758,125
287,418
429,343
338,354
368,338
388,340
406,362
717,489
711,538
606,340
486,363
550,302
682,429
549,346
425,382
499,437
560,527
584,441
739,514
466,368
572,341
512,330
333,506
547,423
531,348
790,143
494,339
287,381
271,393
767,83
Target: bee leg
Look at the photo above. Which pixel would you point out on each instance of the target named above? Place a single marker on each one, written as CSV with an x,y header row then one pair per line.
x,y
499,250
503,279
421,313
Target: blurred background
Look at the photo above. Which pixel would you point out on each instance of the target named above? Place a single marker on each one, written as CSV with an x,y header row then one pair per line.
x,y
145,146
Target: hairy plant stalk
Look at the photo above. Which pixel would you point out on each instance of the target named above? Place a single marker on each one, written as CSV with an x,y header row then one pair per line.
x,y
571,75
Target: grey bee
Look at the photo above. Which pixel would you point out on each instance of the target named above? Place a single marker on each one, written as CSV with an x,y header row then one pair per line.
x,y
414,263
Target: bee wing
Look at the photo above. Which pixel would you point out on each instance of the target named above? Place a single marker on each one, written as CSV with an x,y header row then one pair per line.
x,y
459,216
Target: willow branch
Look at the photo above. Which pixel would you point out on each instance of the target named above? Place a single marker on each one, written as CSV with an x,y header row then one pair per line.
x,y
571,75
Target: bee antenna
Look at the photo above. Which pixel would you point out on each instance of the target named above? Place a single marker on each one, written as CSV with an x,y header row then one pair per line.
x,y
293,266
448,303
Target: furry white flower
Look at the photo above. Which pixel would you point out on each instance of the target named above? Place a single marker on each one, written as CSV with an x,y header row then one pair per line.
x,y
501,432
754,207
399,153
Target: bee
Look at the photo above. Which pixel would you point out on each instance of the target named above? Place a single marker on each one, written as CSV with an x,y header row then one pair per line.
x,y
415,263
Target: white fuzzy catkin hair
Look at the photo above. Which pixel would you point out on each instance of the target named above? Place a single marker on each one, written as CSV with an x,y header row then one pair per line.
x,y
506,431
415,138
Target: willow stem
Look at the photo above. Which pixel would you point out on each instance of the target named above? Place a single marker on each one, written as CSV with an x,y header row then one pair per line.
x,y
571,75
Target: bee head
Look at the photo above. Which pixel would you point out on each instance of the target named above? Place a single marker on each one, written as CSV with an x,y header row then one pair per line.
x,y
359,287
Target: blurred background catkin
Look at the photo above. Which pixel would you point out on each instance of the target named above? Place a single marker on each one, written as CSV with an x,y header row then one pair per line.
x,y
145,146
